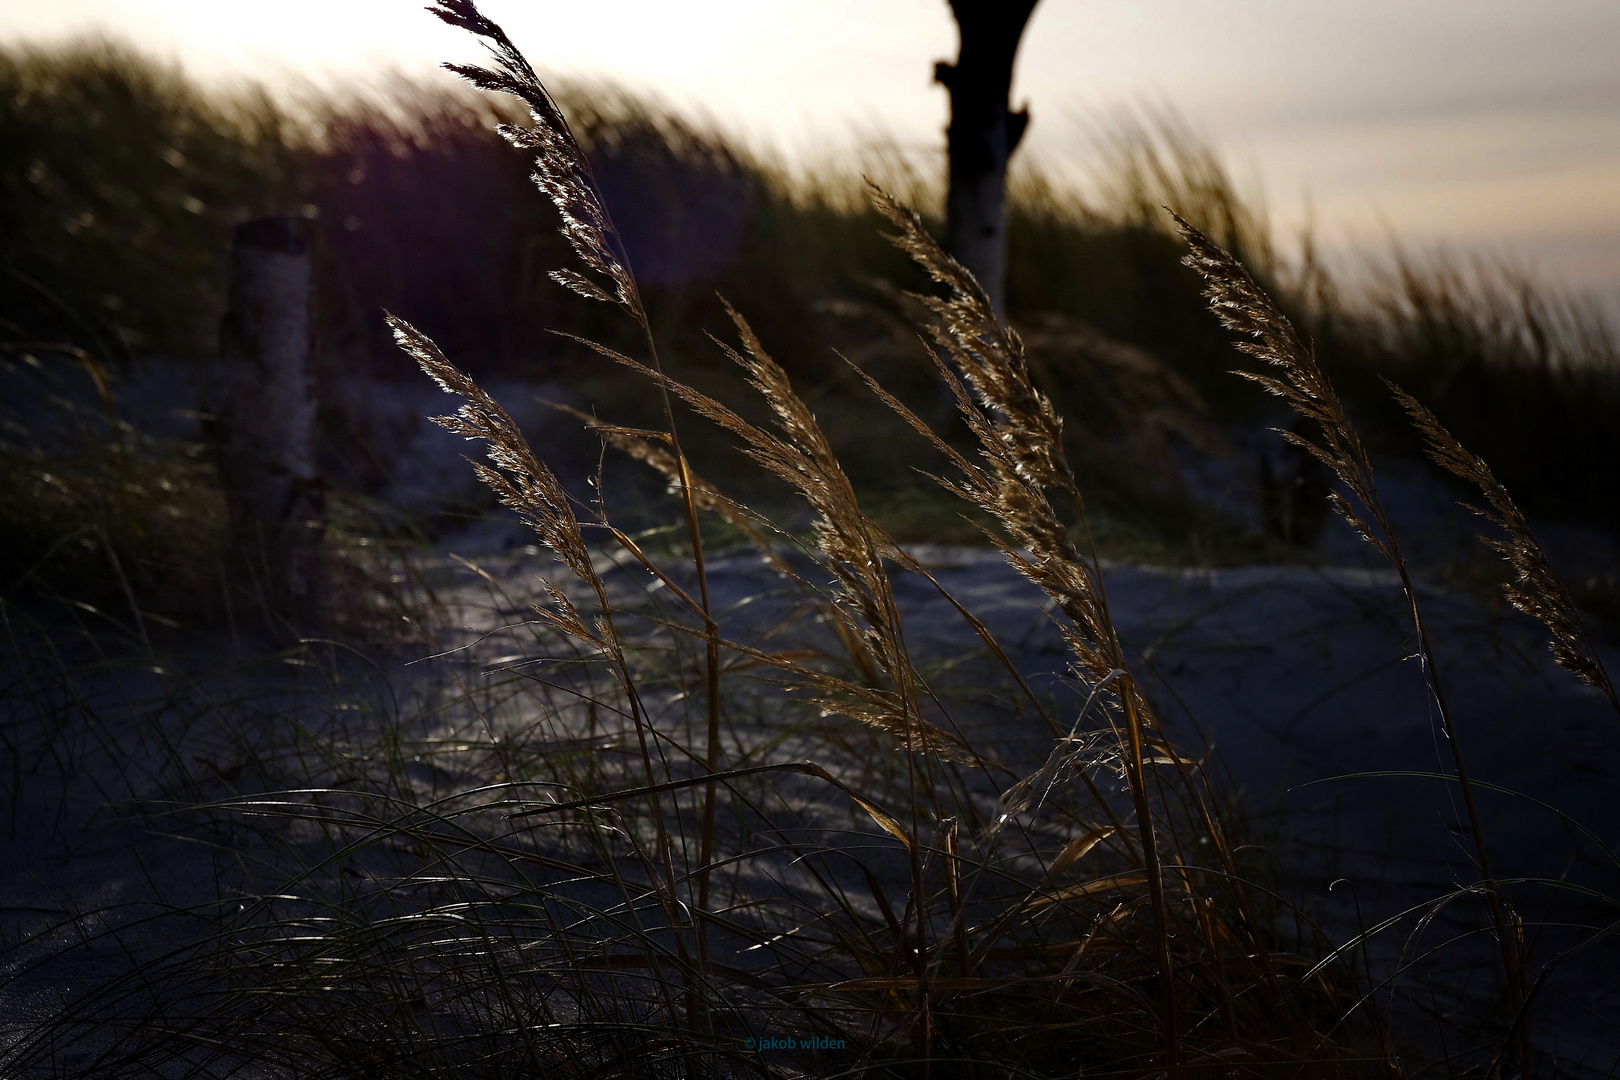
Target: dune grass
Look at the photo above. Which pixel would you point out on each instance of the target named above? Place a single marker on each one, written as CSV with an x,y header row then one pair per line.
x,y
620,837
121,179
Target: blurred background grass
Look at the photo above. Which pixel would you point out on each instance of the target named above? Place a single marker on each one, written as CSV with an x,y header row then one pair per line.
x,y
120,182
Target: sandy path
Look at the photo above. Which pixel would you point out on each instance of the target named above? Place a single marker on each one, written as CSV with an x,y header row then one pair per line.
x,y
1285,677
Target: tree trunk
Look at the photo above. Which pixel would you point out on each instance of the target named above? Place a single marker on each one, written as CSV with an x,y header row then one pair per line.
x,y
267,431
982,136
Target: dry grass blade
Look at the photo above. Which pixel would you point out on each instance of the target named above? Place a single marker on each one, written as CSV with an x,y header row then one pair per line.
x,y
1538,591
652,449
876,812
1085,889
1077,849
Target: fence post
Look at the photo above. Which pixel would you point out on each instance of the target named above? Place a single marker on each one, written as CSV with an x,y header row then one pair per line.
x,y
268,432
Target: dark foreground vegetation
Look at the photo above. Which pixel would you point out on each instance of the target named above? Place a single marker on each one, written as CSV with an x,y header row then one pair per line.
x,y
653,841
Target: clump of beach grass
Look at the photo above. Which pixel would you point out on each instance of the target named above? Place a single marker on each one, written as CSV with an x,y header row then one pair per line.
x,y
971,886
623,841
636,893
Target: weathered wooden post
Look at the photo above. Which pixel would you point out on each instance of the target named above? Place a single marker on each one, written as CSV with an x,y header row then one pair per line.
x,y
267,436
982,135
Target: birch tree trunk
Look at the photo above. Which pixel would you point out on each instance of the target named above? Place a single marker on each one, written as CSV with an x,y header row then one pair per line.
x,y
267,430
982,136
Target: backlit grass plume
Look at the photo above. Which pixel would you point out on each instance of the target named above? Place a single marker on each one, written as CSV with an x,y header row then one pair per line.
x,y
1538,590
1245,308
562,170
1021,448
1021,438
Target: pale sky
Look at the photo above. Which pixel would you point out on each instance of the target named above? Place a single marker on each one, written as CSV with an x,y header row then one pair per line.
x,y
1476,123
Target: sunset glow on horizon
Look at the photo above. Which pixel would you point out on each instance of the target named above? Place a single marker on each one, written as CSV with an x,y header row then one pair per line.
x,y
1483,126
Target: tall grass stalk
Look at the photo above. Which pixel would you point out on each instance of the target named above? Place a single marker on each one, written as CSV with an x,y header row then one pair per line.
x,y
1242,306
1538,590
564,173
